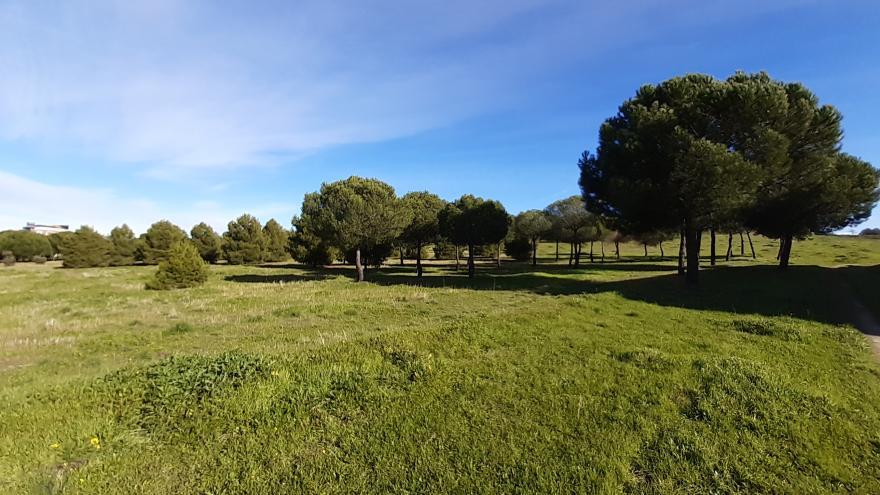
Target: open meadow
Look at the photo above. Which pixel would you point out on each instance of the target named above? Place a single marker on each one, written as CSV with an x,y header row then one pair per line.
x,y
611,377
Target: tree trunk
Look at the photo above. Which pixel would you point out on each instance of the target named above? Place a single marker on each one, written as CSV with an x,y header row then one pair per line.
x,y
401,256
662,254
557,249
712,249
692,248
591,251
535,252
498,255
359,265
749,235
781,247
617,249
470,262
570,253
681,243
729,246
456,258
577,254
742,245
785,255
645,245
602,248
419,259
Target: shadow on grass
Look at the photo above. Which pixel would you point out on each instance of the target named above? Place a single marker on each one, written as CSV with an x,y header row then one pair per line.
x,y
808,292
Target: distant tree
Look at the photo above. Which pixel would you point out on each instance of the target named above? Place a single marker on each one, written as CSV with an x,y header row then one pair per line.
x,y
276,241
157,241
86,249
574,222
207,242
666,160
870,232
806,184
308,248
355,214
25,245
656,238
424,228
124,246
244,241
532,225
183,268
473,222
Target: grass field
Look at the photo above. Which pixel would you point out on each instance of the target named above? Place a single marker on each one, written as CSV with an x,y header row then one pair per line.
x,y
610,378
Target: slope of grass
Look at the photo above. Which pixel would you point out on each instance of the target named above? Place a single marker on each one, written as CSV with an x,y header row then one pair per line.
x,y
608,378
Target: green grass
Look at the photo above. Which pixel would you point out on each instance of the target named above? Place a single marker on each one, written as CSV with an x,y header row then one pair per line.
x,y
609,378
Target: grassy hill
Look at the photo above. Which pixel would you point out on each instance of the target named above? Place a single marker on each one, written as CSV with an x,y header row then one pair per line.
x,y
609,378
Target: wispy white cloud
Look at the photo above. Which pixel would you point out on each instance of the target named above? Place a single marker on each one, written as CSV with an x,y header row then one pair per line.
x,y
173,84
103,209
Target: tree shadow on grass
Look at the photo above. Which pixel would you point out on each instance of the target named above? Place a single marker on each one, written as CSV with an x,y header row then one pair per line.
x,y
807,292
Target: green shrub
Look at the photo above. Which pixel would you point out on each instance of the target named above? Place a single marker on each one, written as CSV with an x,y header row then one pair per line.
x,y
124,246
244,241
85,249
183,268
206,241
518,248
158,241
25,244
8,258
276,241
39,259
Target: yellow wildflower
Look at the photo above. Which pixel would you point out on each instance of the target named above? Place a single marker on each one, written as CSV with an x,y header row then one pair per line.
x,y
96,442
56,445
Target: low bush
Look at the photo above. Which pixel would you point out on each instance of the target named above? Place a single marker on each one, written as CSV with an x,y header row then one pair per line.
x,y
183,268
8,258
39,259
518,248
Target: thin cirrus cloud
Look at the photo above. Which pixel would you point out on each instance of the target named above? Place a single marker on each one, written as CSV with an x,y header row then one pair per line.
x,y
197,85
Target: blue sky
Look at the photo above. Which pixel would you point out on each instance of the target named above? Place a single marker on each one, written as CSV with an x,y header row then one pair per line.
x,y
133,111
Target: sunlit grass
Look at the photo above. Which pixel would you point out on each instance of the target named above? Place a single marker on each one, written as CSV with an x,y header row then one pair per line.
x,y
609,378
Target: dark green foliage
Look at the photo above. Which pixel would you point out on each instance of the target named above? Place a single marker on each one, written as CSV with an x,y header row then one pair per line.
x,y
39,259
158,240
471,221
308,248
532,225
25,244
8,258
206,241
665,162
86,248
355,214
276,241
518,248
244,242
124,246
695,153
373,256
424,228
161,395
870,232
57,241
183,268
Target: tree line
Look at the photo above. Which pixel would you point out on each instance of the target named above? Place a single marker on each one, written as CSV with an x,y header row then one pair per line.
x,y
688,155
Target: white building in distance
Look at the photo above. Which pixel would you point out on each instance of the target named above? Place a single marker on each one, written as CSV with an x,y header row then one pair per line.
x,y
46,229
